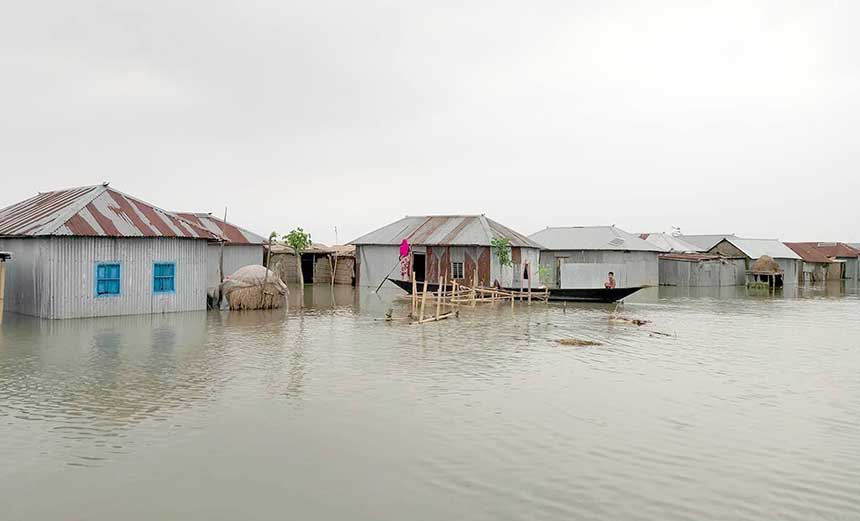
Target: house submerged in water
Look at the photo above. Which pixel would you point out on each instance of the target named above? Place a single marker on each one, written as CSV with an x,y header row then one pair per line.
x,y
95,251
454,244
750,250
582,257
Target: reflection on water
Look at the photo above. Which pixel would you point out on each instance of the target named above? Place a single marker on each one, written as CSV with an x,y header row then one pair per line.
x,y
728,404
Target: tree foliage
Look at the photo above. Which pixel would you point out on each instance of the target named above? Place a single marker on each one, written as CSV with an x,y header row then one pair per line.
x,y
502,249
299,240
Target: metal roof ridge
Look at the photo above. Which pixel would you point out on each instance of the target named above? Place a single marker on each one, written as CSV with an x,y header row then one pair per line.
x,y
487,229
87,199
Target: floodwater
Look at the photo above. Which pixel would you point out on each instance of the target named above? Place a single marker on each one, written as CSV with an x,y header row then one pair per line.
x,y
748,409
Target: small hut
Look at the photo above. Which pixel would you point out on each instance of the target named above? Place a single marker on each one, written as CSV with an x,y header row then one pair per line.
x,y
254,287
319,262
765,270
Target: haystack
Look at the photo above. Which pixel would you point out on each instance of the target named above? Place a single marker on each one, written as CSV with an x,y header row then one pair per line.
x,y
765,265
254,287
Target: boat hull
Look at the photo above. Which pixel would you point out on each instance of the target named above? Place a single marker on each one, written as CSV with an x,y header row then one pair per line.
x,y
555,294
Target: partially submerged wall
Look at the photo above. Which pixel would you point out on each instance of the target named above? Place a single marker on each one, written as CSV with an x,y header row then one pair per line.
x,y
702,273
55,277
590,268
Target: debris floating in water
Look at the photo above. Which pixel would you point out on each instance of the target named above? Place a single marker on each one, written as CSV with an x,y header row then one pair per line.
x,y
578,342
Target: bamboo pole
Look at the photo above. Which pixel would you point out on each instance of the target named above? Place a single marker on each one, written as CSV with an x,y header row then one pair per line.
x,y
439,296
423,301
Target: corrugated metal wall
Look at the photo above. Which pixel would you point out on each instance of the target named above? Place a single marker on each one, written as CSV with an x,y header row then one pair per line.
x,y
54,277
792,269
589,268
374,263
71,275
235,257
25,274
709,273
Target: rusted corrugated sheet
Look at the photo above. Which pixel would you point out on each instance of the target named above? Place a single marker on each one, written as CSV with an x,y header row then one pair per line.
x,y
94,211
835,249
808,251
234,234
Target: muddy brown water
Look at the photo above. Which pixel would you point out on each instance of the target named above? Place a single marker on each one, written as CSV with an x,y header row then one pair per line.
x,y
749,409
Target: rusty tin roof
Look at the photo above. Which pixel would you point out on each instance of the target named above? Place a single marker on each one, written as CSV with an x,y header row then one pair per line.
x,y
232,233
94,211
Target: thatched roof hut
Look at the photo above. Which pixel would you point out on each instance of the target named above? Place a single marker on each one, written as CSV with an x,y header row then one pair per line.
x,y
254,287
765,265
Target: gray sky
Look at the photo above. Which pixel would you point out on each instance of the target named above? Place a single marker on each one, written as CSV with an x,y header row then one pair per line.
x,y
717,116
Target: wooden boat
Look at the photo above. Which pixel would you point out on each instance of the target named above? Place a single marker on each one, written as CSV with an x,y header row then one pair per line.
x,y
555,294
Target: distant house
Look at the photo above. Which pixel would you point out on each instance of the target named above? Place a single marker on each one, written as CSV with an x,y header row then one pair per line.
x,y
95,251
459,245
670,243
705,242
843,253
241,247
318,261
817,267
582,256
753,249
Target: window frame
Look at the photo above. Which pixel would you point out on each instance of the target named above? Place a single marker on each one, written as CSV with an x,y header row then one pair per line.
x,y
96,278
163,277
462,270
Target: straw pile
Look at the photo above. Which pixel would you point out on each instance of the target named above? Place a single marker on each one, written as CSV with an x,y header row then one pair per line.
x,y
254,287
765,264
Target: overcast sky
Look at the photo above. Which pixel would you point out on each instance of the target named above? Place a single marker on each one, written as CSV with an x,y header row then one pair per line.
x,y
716,116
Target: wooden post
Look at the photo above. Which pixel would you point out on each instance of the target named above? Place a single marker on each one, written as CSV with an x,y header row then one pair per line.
x,y
266,278
474,286
2,287
414,294
522,282
423,300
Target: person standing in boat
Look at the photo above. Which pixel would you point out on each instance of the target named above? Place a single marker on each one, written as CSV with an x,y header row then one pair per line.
x,y
610,284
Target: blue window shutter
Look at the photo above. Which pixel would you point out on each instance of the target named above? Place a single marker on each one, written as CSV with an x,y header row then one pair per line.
x,y
163,277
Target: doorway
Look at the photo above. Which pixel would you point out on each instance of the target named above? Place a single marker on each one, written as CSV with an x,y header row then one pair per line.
x,y
308,268
419,265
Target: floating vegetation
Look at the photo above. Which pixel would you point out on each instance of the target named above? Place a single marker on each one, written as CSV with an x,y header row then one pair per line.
x,y
578,342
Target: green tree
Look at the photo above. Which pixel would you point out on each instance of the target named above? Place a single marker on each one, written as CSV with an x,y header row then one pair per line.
x,y
502,248
299,240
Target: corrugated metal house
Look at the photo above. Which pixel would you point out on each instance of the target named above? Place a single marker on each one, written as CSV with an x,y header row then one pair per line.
x,y
456,244
318,261
817,267
582,256
241,247
95,251
845,254
753,249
